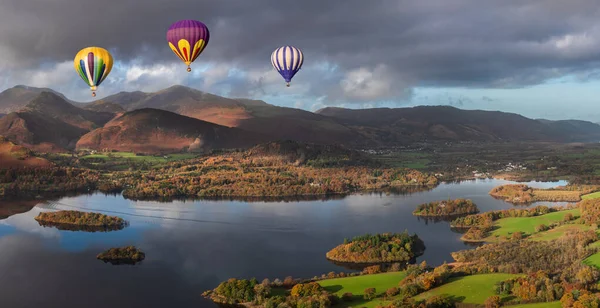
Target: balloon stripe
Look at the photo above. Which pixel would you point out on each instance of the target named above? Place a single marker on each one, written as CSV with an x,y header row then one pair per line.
x,y
97,69
280,58
185,52
101,75
291,58
90,63
176,51
87,72
82,73
285,62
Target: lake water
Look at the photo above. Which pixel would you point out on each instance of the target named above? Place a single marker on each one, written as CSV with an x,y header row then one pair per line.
x,y
192,246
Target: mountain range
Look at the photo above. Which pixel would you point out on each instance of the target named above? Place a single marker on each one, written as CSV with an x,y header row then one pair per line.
x,y
184,119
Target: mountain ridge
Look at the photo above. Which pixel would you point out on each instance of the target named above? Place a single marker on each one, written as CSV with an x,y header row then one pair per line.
x,y
364,128
151,130
50,123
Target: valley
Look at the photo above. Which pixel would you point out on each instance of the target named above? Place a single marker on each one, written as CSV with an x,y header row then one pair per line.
x,y
381,210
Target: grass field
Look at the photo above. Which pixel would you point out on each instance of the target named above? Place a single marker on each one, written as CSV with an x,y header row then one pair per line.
x,y
138,158
469,289
595,195
508,226
538,305
357,285
593,260
413,160
558,232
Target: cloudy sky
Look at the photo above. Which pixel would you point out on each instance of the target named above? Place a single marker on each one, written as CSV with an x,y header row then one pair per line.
x,y
538,58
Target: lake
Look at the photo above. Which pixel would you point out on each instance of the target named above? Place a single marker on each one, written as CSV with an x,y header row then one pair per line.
x,y
192,246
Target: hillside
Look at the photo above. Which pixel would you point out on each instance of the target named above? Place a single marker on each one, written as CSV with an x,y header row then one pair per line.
x,y
398,125
49,123
102,106
251,115
15,156
157,131
15,98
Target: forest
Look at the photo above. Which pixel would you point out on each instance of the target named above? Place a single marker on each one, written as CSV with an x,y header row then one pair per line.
x,y
378,248
81,218
446,208
122,255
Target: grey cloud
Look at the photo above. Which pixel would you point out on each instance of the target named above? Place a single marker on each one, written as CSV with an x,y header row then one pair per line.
x,y
466,43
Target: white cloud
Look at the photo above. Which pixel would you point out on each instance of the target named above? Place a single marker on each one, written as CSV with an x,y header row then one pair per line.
x,y
151,78
59,74
215,74
372,84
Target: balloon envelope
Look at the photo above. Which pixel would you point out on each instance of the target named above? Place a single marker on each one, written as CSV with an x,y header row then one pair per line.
x,y
93,64
287,60
187,39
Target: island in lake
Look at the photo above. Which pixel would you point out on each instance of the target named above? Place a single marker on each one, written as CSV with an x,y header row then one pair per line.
x,y
124,255
80,221
446,208
378,248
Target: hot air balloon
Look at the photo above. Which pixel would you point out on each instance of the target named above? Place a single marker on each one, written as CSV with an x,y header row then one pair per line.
x,y
187,39
93,64
287,60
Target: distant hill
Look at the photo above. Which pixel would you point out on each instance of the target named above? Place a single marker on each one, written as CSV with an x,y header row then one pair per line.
x,y
252,115
403,125
158,131
15,156
15,98
49,123
102,106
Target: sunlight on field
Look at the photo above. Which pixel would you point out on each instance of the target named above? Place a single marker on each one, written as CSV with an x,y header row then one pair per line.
x,y
591,196
357,285
470,289
527,225
120,156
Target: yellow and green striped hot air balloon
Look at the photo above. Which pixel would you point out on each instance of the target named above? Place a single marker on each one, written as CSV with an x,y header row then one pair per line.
x,y
93,64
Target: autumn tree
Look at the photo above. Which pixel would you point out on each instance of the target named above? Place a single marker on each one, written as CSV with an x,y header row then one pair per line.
x,y
493,301
370,293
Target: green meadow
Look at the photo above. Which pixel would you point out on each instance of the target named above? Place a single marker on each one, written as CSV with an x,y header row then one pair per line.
x,y
469,289
357,285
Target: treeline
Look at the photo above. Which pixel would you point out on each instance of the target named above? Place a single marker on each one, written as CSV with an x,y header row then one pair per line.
x,y
378,248
590,212
487,218
31,182
446,208
234,174
542,286
523,194
242,291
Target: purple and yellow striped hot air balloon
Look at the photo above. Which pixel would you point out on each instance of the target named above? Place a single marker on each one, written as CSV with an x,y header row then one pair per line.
x,y
93,64
187,39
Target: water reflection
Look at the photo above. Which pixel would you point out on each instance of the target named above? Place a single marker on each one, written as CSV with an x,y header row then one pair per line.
x,y
82,228
191,246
